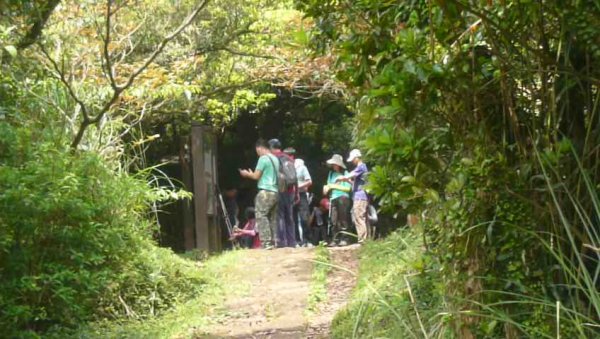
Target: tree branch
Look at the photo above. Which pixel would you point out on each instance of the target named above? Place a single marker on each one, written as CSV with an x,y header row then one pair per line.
x,y
164,43
118,89
106,38
61,76
38,25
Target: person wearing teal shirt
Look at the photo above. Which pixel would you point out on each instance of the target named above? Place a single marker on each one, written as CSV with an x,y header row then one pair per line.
x,y
339,197
265,203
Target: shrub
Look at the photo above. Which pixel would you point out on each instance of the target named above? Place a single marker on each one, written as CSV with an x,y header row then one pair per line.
x,y
76,244
381,305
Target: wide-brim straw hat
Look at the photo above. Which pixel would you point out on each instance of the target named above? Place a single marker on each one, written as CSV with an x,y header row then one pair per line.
x,y
337,159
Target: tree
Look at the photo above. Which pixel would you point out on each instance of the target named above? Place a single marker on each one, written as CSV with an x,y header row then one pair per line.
x,y
475,113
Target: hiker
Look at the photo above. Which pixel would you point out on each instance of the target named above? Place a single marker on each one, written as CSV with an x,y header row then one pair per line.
x,y
339,197
301,208
248,236
317,222
360,198
291,152
287,193
265,203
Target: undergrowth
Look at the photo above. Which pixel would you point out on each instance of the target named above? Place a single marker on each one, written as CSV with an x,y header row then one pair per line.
x,y
318,291
183,319
381,307
76,242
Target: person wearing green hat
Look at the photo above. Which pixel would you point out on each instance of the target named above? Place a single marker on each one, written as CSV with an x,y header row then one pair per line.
x,y
339,193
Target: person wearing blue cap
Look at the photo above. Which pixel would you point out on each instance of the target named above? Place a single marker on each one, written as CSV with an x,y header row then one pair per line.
x,y
287,194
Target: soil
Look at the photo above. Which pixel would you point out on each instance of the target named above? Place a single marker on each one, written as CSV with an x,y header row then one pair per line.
x,y
276,285
340,282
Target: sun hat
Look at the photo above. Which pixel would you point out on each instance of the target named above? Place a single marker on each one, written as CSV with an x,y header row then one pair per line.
x,y
353,155
289,150
337,159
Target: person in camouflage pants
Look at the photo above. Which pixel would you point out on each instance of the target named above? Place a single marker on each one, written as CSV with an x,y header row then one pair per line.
x,y
265,203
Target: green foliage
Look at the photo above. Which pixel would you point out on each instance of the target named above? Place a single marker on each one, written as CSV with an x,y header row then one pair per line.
x,y
467,122
381,305
76,241
193,313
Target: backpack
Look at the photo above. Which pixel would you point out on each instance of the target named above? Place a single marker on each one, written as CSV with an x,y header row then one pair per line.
x,y
280,178
287,171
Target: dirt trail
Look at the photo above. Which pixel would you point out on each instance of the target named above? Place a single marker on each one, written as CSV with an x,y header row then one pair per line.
x,y
276,286
340,282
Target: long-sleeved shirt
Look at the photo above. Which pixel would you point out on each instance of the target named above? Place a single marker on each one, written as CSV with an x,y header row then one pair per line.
x,y
359,174
250,230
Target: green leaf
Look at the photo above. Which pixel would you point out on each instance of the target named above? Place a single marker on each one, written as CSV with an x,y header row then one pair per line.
x,y
12,50
408,179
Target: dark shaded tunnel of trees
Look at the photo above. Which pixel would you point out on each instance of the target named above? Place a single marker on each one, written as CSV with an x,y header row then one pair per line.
x,y
315,127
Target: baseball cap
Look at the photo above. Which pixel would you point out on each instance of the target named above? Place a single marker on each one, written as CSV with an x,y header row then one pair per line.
x,y
274,144
354,154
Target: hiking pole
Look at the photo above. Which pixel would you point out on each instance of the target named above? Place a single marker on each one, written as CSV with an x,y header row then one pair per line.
x,y
329,223
225,214
234,241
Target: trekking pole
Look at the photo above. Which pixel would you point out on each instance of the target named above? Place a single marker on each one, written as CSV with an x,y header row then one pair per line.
x,y
330,224
226,215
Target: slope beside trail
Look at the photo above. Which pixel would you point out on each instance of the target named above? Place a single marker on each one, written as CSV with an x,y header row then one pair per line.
x,y
276,285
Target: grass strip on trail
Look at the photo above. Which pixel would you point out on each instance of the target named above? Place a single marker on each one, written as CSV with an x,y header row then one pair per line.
x,y
396,296
185,318
318,286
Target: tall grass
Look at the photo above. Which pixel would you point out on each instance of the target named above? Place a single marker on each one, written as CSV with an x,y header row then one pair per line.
x,y
398,293
569,304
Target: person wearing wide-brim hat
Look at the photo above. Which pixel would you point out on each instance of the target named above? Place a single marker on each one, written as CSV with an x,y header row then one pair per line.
x,y
339,197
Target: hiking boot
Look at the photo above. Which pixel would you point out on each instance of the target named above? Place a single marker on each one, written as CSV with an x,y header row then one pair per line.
x,y
343,243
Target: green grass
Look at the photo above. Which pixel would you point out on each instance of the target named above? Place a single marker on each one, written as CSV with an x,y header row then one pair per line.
x,y
184,319
390,271
318,286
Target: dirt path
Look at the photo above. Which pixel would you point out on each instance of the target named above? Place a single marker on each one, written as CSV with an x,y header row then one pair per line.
x,y
340,282
275,286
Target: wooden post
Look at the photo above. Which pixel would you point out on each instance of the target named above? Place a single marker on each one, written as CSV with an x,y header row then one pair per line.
x,y
200,189
186,204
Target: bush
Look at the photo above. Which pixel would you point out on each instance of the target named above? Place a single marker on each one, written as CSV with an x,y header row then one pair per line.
x,y
76,244
381,305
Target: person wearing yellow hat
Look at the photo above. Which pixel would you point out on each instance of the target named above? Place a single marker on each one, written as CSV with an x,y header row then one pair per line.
x,y
339,199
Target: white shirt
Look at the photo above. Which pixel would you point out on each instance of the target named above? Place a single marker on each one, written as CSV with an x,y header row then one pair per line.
x,y
301,173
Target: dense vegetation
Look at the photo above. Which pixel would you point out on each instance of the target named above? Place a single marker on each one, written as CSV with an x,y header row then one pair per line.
x,y
394,295
82,85
482,117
